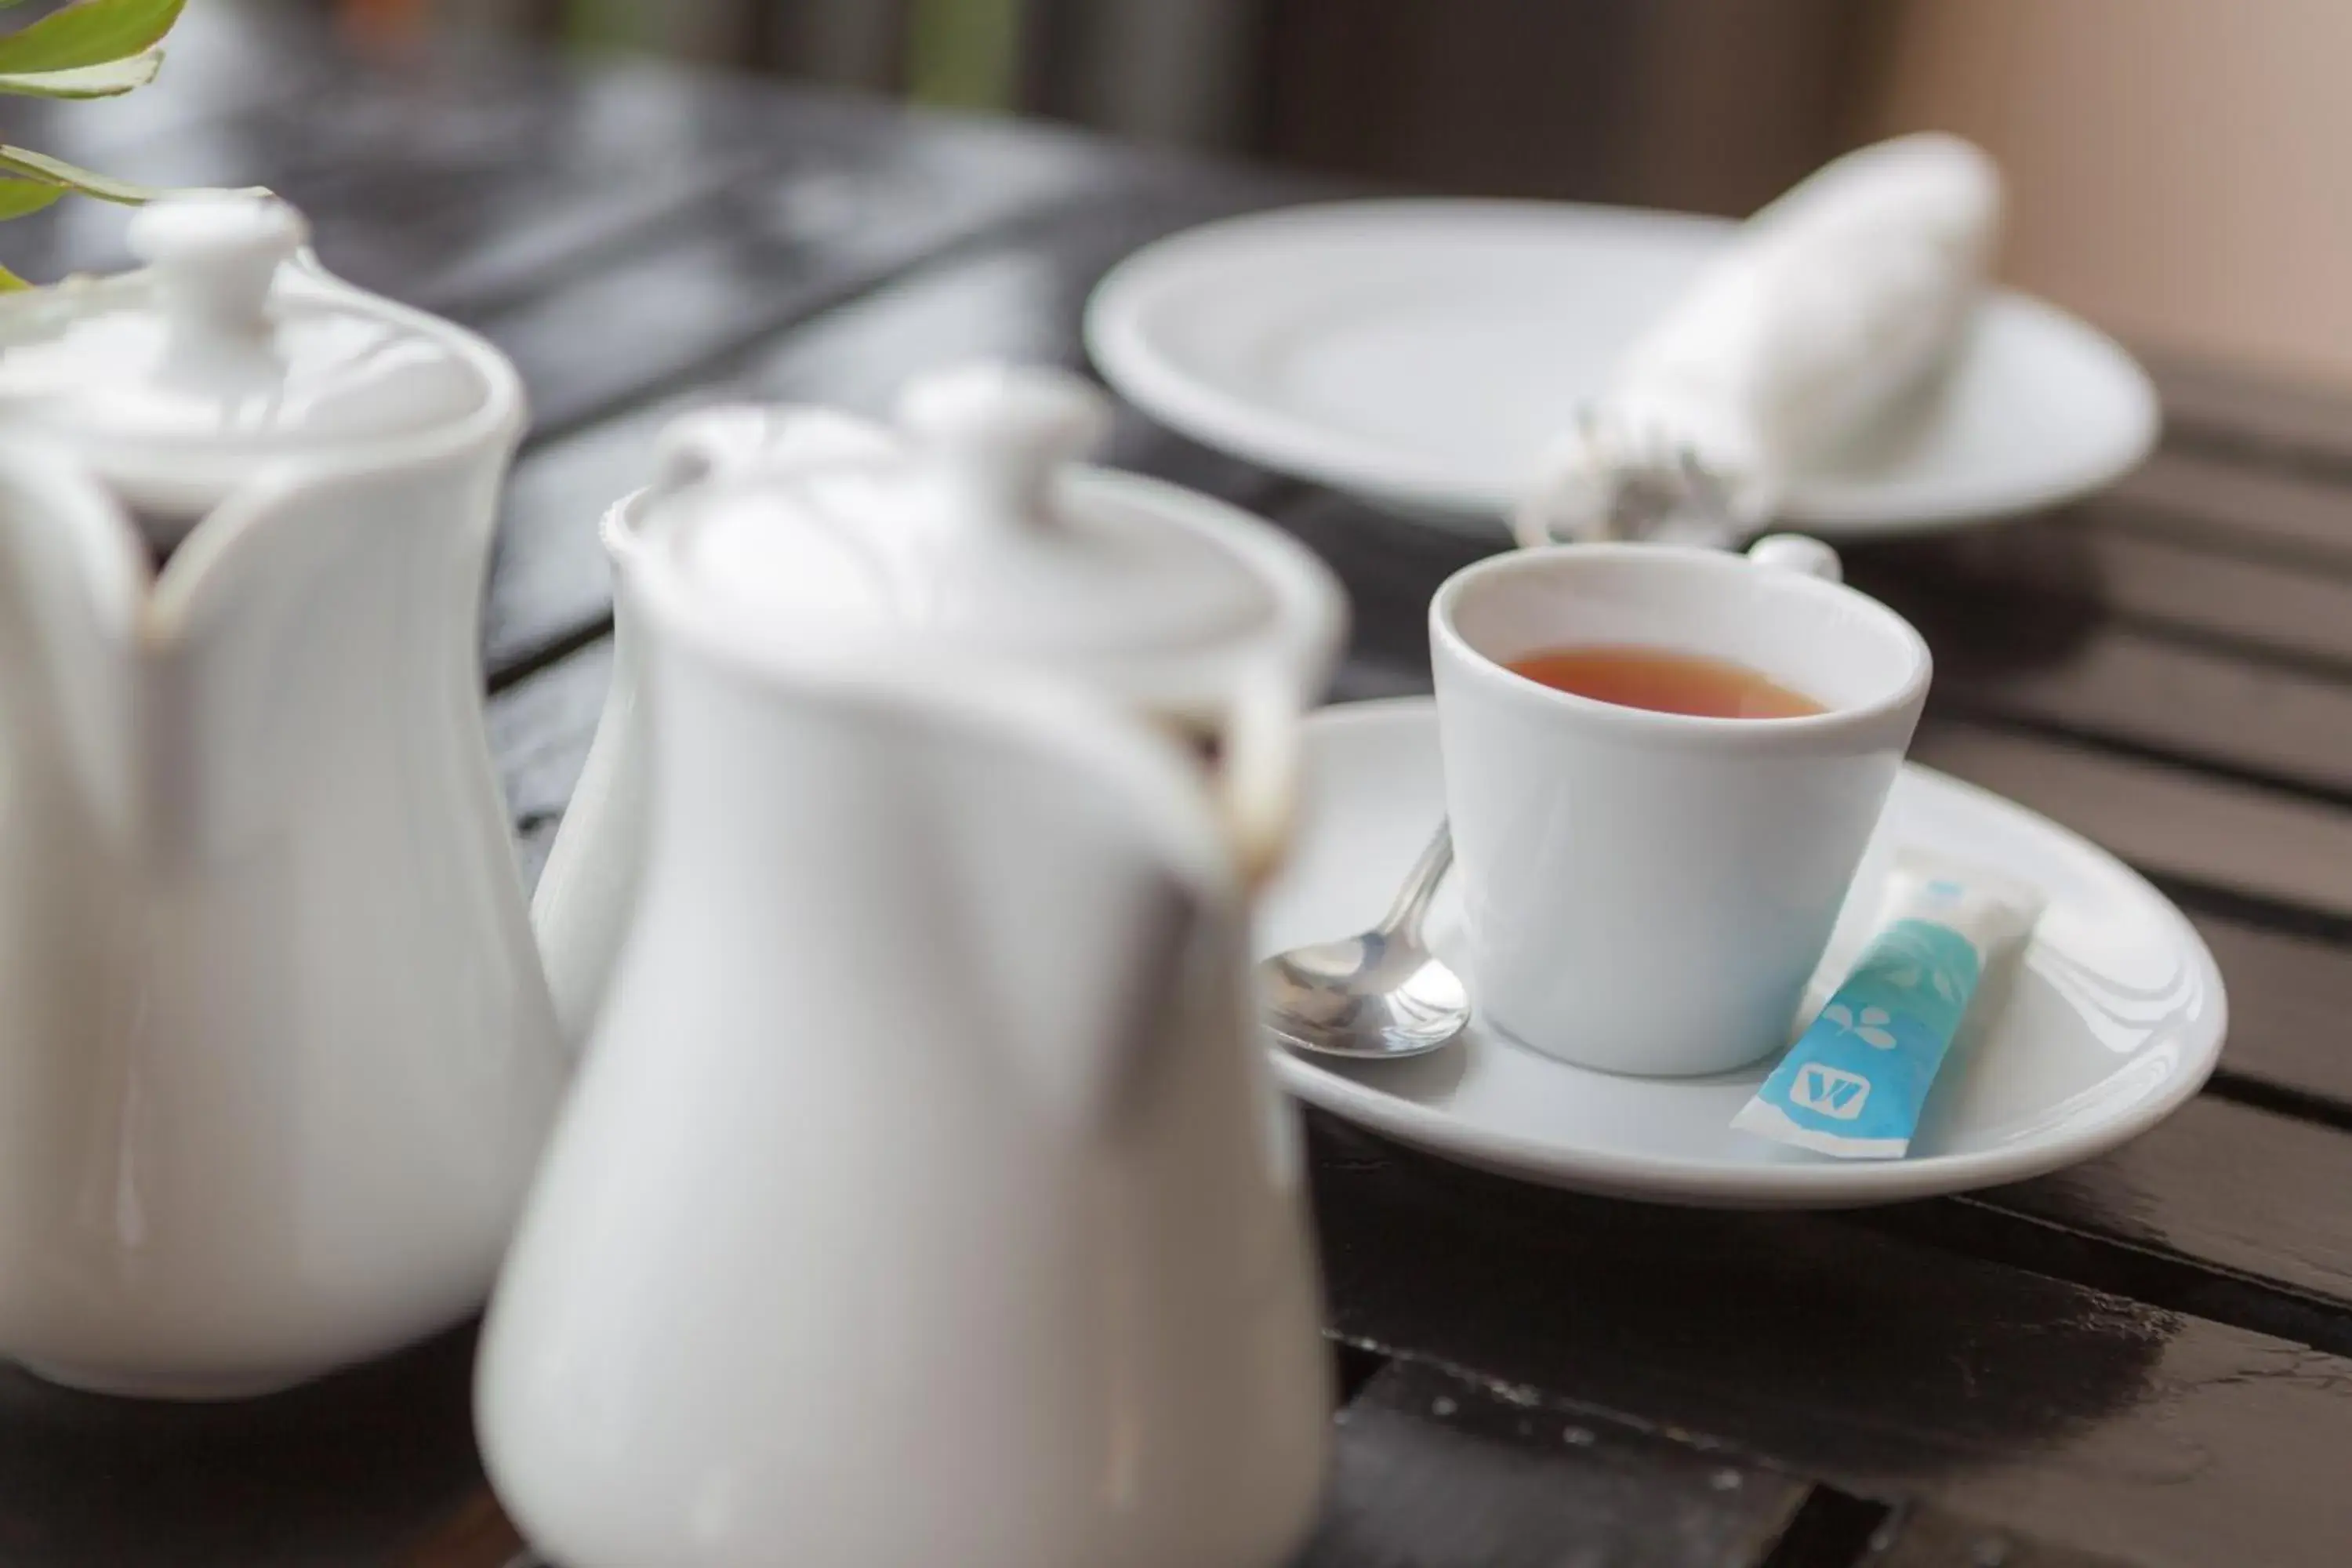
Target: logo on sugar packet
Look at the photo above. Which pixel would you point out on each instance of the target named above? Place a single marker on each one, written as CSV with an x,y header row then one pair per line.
x,y
1870,1028
1833,1091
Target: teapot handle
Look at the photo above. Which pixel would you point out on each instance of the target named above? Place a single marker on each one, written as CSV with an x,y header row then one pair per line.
x,y
1258,742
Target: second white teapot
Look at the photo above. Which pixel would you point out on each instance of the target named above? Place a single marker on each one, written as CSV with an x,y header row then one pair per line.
x,y
925,1129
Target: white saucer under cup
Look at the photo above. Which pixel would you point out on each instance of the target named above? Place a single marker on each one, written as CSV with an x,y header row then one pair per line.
x,y
1422,355
2111,1019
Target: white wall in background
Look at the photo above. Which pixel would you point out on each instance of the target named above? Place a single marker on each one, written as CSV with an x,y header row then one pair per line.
x,y
2182,169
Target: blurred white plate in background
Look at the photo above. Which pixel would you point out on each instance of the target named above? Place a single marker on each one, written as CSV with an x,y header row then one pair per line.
x,y
1421,353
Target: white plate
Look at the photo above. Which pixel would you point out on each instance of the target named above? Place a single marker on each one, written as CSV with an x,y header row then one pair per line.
x,y
2114,1017
1421,355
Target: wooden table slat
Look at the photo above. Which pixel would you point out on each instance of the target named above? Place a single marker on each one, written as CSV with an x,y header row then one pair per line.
x,y
2282,513
1437,1470
2251,417
2174,701
1893,1368
417,175
660,318
363,1468
1932,1538
2164,820
2290,1005
2286,612
2234,1191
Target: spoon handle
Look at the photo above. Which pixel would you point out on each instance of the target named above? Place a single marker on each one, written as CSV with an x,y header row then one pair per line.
x,y
1420,886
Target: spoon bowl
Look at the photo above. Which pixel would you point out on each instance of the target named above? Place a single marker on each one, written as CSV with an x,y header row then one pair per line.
x,y
1380,995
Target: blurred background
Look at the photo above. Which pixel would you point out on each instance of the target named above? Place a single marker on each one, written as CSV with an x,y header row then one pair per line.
x,y
2173,163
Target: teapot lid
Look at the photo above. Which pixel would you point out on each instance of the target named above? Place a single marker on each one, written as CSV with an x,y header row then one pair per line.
x,y
967,521
229,348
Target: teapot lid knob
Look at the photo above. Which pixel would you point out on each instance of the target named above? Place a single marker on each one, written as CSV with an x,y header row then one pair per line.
x,y
230,350
1005,430
216,255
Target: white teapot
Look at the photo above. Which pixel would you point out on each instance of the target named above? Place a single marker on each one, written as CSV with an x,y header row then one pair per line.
x,y
926,1196
277,1056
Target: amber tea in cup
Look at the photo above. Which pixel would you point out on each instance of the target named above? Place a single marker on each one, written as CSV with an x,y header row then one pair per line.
x,y
1664,681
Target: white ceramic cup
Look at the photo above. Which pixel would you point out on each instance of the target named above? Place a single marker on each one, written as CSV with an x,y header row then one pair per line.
x,y
1648,893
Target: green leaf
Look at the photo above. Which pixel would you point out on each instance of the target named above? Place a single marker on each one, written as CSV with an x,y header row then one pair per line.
x,y
86,81
24,163
18,197
9,282
89,33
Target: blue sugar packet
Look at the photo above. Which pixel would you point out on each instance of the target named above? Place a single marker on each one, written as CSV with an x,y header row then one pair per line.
x,y
1853,1083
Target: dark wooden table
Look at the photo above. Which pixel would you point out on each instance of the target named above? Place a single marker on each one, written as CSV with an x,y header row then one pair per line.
x,y
2145,1361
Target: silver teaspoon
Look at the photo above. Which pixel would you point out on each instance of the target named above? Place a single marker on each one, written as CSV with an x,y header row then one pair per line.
x,y
1382,994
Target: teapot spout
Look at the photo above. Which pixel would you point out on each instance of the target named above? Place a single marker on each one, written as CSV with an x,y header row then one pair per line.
x,y
74,581
588,885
